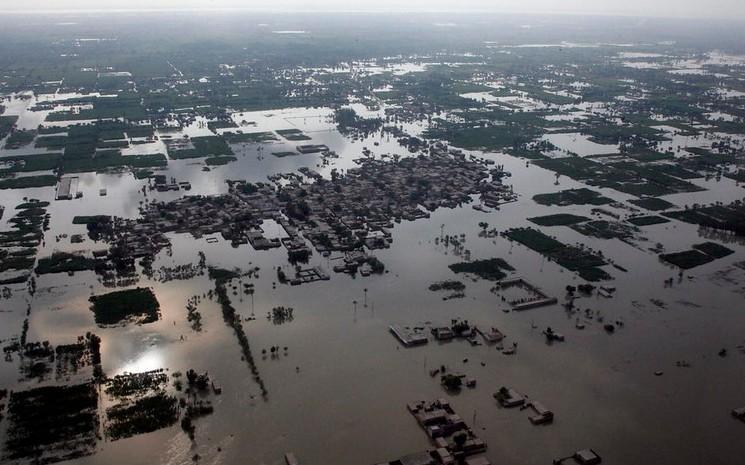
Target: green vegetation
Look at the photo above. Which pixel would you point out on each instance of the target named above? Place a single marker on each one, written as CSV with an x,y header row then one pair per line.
x,y
534,239
136,384
222,123
92,219
216,161
492,269
537,92
221,274
52,423
19,138
248,188
113,159
615,134
51,130
203,147
51,142
143,404
348,122
73,358
713,249
27,182
738,175
143,174
451,382
603,229
558,219
631,178
573,258
687,259
647,220
128,106
92,147
32,204
6,124
132,305
722,217
233,320
449,285
581,196
594,274
485,137
60,262
28,163
113,144
141,416
652,203
15,262
211,145
140,131
647,156
18,245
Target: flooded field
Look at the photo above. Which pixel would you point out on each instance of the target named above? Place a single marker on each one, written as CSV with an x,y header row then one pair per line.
x,y
272,248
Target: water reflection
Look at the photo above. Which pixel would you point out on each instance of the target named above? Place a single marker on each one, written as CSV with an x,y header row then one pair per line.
x,y
150,360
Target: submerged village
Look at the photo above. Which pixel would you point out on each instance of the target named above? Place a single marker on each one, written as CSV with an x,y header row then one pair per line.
x,y
470,247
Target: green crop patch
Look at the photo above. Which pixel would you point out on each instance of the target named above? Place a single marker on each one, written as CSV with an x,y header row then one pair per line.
x,y
492,269
52,423
571,257
652,203
60,262
581,196
217,161
687,259
129,306
558,219
647,220
713,249
28,182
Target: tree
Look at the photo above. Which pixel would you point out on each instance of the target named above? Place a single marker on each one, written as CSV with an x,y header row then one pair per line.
x,y
191,376
451,382
460,439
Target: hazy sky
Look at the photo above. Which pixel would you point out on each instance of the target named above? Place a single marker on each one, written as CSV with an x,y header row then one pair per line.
x,y
733,9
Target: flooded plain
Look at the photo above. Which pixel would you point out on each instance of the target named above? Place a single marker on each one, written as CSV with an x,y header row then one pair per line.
x,y
338,394
345,373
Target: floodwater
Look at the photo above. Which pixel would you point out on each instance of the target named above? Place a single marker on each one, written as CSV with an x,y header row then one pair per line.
x,y
579,144
339,395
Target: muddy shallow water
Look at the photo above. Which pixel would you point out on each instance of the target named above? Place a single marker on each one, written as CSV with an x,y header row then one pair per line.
x,y
338,396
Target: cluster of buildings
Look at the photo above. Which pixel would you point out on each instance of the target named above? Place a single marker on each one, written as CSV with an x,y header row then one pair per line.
x,y
309,275
360,207
409,336
350,213
161,184
510,398
311,148
454,441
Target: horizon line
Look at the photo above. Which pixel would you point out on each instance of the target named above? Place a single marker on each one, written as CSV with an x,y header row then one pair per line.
x,y
356,11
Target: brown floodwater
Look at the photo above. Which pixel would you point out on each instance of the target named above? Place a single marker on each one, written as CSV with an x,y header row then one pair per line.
x,y
338,396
